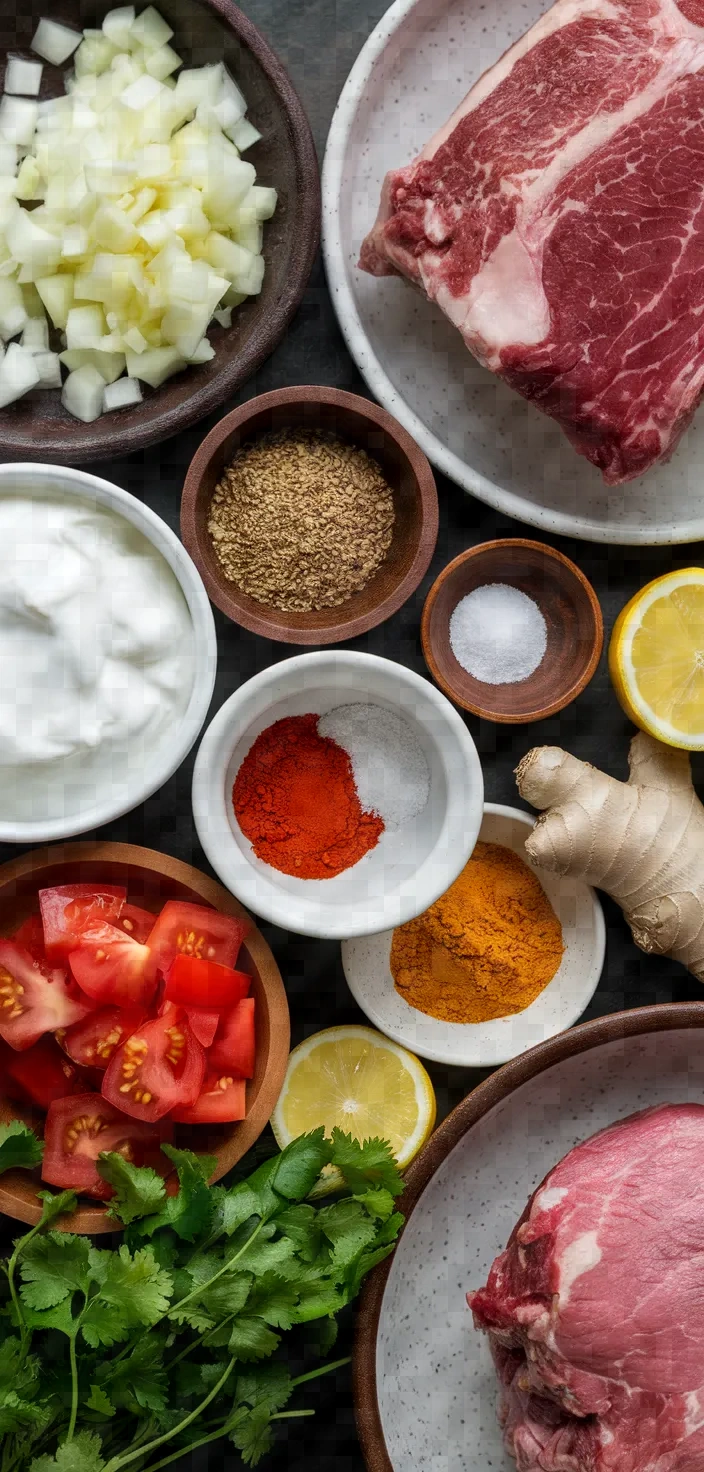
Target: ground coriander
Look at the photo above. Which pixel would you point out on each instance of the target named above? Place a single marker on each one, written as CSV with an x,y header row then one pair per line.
x,y
301,520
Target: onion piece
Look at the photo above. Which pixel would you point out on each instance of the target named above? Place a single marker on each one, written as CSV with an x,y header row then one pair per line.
x,y
83,393
23,77
55,42
121,394
18,374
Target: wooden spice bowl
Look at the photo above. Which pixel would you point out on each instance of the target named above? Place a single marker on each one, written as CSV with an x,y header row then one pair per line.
x,y
151,879
571,610
405,468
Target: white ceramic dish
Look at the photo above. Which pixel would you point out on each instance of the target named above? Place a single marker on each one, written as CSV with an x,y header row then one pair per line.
x,y
145,777
425,1381
485,1044
413,71
409,868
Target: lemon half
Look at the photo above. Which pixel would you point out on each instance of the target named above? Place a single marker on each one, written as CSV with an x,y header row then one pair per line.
x,y
357,1079
656,658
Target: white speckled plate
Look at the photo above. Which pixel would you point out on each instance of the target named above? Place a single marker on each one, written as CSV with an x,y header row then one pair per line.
x,y
413,71
425,1387
484,1044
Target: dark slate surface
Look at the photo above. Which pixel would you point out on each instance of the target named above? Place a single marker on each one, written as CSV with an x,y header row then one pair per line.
x,y
318,41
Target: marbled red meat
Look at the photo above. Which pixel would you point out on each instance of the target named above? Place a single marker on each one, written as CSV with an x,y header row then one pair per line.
x,y
595,1310
557,219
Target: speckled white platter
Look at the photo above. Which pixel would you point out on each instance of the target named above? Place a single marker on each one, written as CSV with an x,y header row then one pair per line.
x,y
424,1380
413,71
484,1044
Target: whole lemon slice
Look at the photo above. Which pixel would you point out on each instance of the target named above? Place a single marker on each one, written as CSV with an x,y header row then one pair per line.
x,y
656,658
357,1079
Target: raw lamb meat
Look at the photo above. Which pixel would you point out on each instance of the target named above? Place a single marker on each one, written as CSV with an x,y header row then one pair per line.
x,y
595,1310
558,221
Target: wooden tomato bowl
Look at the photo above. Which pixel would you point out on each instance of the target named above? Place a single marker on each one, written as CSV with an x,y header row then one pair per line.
x,y
405,468
151,879
205,31
568,604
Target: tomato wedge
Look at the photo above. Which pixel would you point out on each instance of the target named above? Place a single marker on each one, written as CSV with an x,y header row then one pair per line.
x,y
69,909
30,937
111,967
33,1000
191,930
91,1043
78,1129
137,923
234,1048
44,1074
221,1100
161,1066
194,983
203,1024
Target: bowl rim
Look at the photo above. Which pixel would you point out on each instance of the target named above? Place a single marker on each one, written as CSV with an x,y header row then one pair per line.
x,y
91,489
456,838
92,1218
77,443
273,624
661,1017
577,685
437,1054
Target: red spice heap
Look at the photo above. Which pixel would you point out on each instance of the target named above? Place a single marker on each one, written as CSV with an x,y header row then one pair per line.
x,y
296,801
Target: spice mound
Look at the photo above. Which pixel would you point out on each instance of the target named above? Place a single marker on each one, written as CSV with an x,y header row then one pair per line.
x,y
486,948
301,520
498,634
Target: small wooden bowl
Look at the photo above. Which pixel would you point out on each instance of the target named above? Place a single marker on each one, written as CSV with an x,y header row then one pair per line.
x,y
37,427
405,467
569,606
151,879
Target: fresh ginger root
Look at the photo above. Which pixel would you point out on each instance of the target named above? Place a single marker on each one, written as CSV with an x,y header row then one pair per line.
x,y
642,841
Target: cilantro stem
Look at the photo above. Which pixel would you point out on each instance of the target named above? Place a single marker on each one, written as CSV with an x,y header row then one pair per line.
x,y
25,1333
322,1370
151,1446
184,1451
203,1287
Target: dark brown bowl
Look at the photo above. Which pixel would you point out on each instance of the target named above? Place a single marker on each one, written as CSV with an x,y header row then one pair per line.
x,y
405,467
569,606
151,879
37,427
488,1096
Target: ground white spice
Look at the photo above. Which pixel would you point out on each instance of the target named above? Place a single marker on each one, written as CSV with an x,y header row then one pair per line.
x,y
301,520
498,634
389,765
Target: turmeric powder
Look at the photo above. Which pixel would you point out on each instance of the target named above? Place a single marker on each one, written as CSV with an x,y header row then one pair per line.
x,y
486,948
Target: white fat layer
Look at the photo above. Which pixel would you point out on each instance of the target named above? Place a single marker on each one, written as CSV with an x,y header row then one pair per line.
x,y
549,1197
505,303
694,1412
579,1257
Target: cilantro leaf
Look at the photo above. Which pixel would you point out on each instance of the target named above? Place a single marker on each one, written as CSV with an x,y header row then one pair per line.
x,y
100,1402
273,1300
19,1147
139,1191
60,1317
234,1208
138,1381
135,1284
378,1202
190,1212
350,1229
17,1415
228,1296
322,1335
83,1454
262,1257
252,1339
54,1206
300,1164
300,1223
252,1435
52,1267
365,1165
269,1385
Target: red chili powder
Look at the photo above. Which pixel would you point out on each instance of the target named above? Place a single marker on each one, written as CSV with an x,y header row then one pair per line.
x,y
296,801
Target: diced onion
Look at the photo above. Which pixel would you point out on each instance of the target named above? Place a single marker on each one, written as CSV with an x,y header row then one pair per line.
x,y
18,374
121,394
83,394
23,77
55,42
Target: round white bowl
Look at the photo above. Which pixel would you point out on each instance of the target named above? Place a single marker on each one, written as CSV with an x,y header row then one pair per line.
x,y
485,1044
409,868
78,485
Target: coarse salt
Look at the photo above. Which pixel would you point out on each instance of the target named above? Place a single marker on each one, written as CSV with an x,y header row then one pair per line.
x,y
390,769
498,634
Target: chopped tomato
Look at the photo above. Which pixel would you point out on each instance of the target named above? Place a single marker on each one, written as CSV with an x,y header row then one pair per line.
x,y
44,1074
30,937
234,1048
33,999
221,1099
203,1024
135,922
92,1042
194,983
69,909
159,1067
111,967
191,930
78,1129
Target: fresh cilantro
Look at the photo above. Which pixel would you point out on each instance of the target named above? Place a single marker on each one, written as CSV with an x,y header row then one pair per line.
x,y
52,1267
81,1454
365,1165
98,1401
300,1164
19,1147
139,1191
251,1339
190,1212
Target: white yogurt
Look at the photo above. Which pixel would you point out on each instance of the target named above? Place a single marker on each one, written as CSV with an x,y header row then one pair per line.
x,y
96,655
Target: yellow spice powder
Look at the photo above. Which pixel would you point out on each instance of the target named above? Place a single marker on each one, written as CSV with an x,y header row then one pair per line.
x,y
486,948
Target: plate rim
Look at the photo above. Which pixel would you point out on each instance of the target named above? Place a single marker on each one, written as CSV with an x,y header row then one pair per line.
x,y
374,375
638,1021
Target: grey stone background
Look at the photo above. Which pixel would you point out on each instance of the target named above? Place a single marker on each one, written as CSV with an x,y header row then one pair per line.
x,y
318,41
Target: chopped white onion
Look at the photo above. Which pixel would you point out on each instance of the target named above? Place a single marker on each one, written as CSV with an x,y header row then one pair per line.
x,y
121,394
55,42
18,119
118,24
35,335
18,374
49,369
244,135
83,393
150,29
23,77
